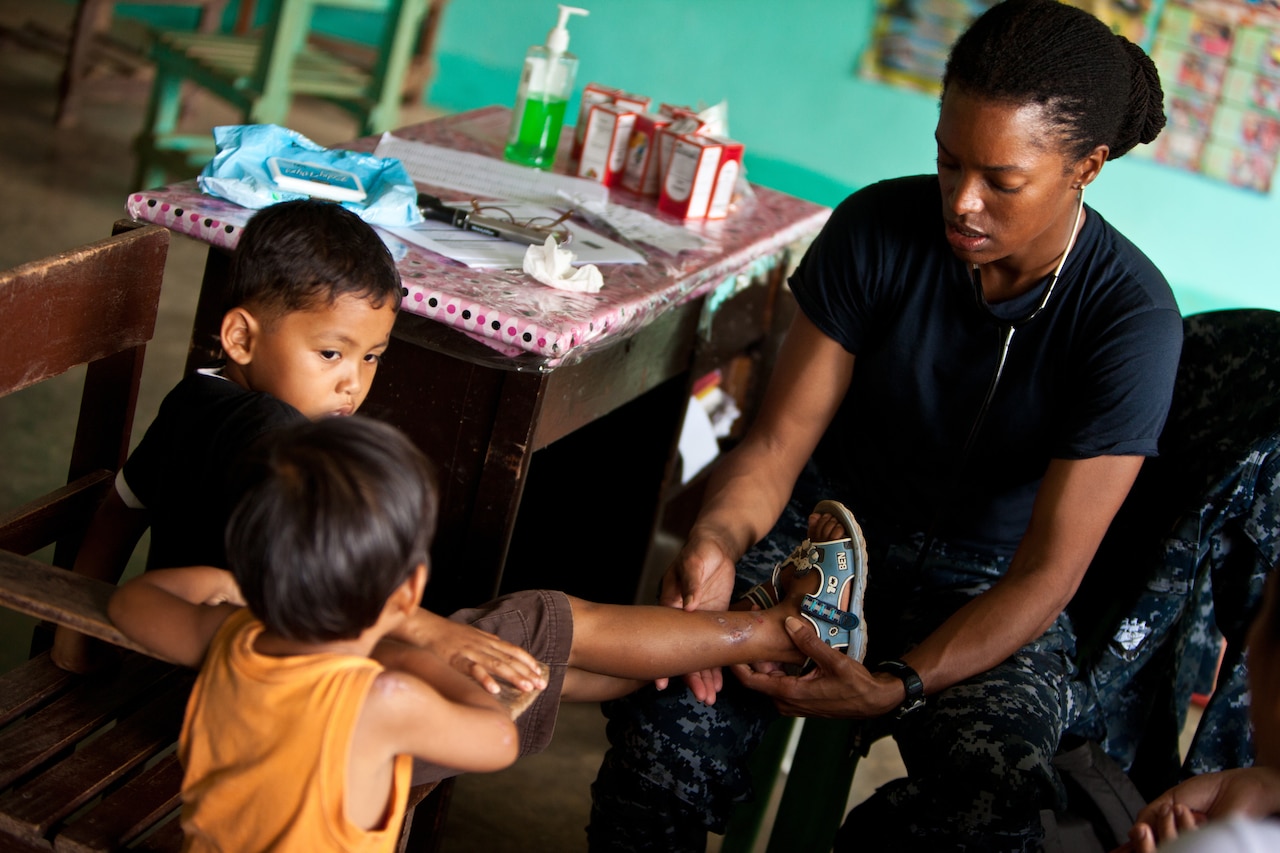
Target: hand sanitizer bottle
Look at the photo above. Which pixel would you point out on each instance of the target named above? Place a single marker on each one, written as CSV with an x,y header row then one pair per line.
x,y
545,86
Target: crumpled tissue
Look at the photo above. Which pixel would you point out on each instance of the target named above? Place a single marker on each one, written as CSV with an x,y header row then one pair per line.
x,y
553,266
240,175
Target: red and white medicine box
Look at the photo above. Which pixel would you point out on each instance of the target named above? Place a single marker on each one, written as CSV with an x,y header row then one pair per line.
x,y
675,110
635,103
681,123
592,94
701,176
604,146
641,174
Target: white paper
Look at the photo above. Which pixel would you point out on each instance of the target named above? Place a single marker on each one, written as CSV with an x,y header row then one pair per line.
x,y
640,227
485,177
697,445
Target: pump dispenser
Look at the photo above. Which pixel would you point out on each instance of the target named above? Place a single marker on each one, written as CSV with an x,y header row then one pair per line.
x,y
546,83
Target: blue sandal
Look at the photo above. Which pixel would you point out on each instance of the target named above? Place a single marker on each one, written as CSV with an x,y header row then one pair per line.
x,y
841,565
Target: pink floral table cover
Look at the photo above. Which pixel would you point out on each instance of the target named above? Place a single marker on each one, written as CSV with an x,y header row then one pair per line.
x,y
509,310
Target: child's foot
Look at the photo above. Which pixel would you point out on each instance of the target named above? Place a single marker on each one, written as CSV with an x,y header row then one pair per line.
x,y
825,577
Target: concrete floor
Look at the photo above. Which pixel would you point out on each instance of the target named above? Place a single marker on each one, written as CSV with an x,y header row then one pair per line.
x,y
64,188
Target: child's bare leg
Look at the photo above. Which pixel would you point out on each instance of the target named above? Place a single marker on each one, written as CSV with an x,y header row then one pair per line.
x,y
636,644
617,648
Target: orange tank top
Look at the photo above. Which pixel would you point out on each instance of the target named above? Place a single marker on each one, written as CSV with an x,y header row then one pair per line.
x,y
264,747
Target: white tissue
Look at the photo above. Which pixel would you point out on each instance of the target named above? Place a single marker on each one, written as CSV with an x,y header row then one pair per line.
x,y
554,266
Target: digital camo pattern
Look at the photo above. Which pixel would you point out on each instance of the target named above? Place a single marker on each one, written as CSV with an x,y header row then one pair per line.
x,y
1211,503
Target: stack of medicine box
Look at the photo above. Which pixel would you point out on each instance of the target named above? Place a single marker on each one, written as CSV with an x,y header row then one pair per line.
x,y
667,153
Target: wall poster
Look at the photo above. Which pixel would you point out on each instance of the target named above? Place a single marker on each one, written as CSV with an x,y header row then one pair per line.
x,y
1219,63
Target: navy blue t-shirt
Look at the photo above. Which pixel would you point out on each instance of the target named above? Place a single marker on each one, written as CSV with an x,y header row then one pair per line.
x,y
1091,375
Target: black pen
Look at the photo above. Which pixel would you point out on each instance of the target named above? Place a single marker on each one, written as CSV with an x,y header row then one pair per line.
x,y
434,208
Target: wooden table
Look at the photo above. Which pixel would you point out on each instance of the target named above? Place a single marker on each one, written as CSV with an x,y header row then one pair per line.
x,y
553,422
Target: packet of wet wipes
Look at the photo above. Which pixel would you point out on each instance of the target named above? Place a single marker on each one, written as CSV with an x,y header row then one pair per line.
x,y
260,164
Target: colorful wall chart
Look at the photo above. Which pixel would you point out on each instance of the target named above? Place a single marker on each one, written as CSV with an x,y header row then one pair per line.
x,y
1219,62
911,38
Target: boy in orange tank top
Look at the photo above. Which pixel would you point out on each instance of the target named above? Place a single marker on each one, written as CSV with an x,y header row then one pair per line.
x,y
295,737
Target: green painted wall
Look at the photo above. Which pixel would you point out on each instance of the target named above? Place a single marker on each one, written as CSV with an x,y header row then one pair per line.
x,y
815,130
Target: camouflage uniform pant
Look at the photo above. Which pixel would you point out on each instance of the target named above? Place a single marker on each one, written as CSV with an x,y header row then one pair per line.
x,y
978,754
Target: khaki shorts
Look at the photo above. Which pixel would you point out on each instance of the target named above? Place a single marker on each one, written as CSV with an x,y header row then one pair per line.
x,y
541,622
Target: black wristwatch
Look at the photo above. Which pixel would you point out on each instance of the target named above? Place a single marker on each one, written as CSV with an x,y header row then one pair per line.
x,y
910,680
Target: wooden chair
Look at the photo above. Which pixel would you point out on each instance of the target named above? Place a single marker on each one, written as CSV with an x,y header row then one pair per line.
x,y
93,306
260,74
422,66
91,38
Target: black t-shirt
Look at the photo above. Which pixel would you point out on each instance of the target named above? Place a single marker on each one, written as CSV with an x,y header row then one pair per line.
x,y
1091,375
182,471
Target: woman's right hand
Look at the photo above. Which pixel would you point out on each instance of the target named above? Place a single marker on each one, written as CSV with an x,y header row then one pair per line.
x,y
701,577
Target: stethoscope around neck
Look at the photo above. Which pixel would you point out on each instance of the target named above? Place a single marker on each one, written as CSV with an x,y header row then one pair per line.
x,y
1006,326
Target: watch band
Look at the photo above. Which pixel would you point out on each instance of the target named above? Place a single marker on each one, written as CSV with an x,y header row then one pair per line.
x,y
910,680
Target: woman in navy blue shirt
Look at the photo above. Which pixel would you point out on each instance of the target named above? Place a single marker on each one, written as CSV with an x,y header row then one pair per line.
x,y
979,366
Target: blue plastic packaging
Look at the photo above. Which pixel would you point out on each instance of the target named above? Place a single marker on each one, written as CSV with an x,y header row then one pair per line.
x,y
240,173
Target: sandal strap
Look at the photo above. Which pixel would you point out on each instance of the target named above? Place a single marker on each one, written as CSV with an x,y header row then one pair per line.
x,y
818,609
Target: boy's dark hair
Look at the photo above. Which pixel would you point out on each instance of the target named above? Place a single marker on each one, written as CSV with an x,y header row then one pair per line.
x,y
1097,88
336,514
298,255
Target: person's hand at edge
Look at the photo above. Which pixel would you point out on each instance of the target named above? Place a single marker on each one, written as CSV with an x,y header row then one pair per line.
x,y
1250,791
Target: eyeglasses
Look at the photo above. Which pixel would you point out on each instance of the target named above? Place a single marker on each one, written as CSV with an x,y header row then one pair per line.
x,y
545,224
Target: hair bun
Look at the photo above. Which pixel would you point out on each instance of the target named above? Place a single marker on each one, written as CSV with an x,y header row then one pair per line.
x,y
1146,99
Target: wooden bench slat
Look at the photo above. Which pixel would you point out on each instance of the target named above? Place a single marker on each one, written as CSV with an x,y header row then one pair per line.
x,y
34,808
31,741
127,812
166,839
18,844
30,685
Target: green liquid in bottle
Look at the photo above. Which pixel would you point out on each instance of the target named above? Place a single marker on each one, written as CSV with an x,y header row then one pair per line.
x,y
538,135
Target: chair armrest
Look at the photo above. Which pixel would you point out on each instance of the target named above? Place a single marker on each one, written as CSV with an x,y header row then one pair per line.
x,y
62,597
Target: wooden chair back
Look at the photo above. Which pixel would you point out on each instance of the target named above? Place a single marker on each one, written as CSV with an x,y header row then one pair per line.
x,y
94,306
259,74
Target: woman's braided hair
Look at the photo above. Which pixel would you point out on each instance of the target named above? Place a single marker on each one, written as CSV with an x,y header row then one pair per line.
x,y
1097,88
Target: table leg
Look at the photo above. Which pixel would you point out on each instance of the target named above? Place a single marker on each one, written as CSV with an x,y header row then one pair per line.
x,y
475,423
205,339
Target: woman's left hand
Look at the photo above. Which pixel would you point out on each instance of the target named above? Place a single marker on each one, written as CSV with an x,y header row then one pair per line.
x,y
837,687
